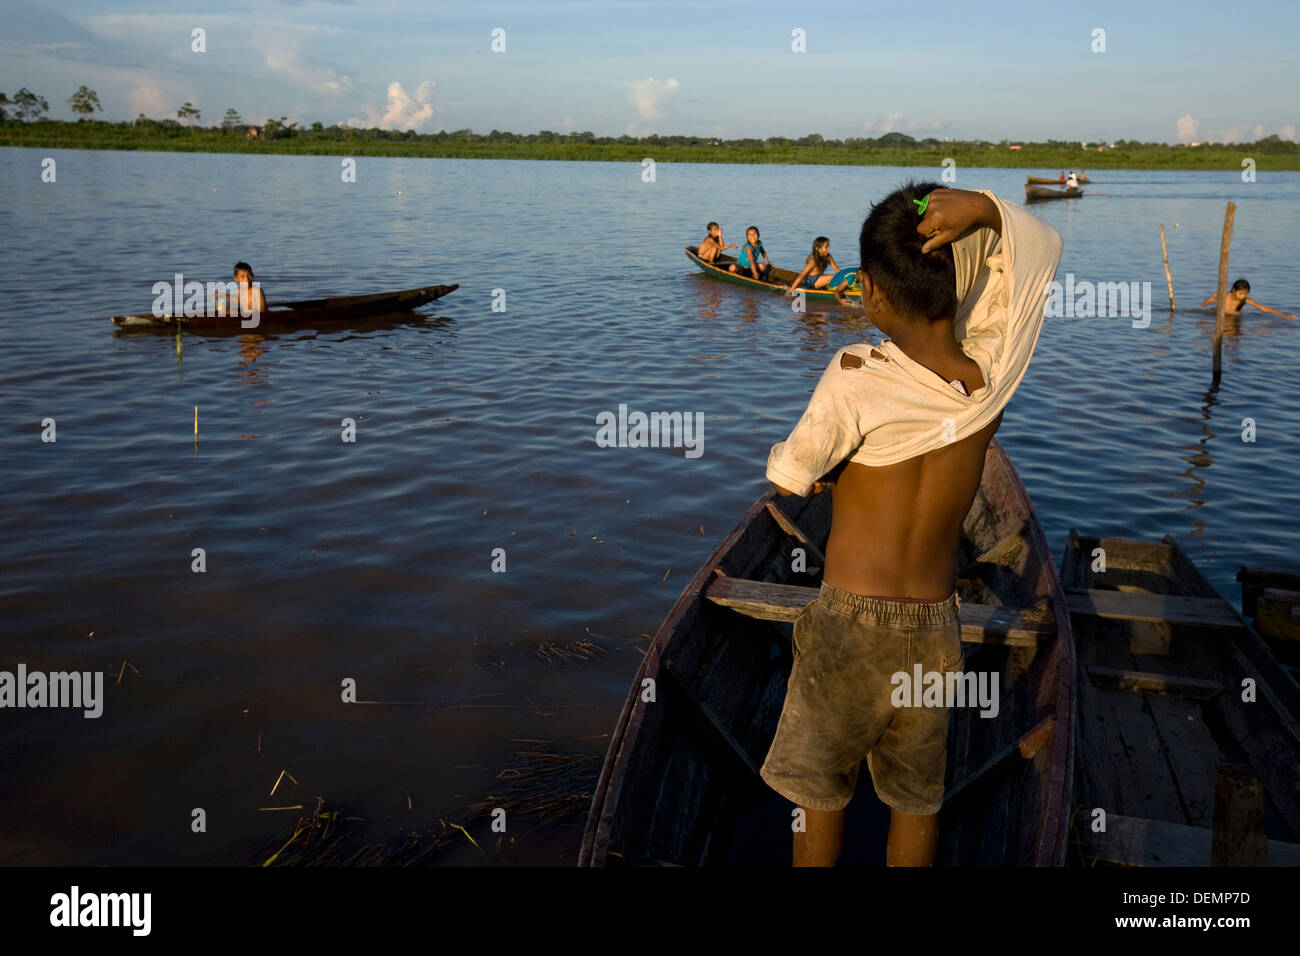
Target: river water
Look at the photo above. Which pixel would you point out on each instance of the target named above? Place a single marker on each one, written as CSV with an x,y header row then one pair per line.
x,y
476,430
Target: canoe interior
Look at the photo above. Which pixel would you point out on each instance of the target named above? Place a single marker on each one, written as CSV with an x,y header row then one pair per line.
x,y
333,309
718,270
1044,181
1153,756
674,791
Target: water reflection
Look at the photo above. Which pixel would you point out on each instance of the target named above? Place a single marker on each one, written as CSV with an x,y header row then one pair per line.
x,y
251,348
1198,459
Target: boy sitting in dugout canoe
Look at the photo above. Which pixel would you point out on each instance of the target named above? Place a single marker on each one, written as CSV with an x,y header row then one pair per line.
x,y
712,246
249,301
955,280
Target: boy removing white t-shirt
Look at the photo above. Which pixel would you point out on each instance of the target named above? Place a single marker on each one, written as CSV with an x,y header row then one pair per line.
x,y
956,280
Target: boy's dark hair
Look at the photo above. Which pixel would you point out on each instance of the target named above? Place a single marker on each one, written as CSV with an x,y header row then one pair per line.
x,y
710,227
1241,284
919,286
243,266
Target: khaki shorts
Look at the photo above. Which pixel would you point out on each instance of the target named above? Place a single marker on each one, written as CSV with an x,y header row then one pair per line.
x,y
838,708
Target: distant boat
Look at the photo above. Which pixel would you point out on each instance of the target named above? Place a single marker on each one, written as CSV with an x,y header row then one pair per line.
x,y
332,309
1039,180
1040,193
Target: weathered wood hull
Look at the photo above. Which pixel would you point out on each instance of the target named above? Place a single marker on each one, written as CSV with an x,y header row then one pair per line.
x,y
306,313
718,270
679,785
1043,193
1161,664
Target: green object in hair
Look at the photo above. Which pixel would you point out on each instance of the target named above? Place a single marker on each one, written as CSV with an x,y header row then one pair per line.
x,y
921,204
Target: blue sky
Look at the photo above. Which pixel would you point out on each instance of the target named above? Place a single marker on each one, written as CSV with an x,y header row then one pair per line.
x,y
1171,72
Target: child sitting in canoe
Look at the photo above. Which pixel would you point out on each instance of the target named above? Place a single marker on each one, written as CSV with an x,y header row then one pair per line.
x,y
249,301
753,258
1238,298
813,275
712,246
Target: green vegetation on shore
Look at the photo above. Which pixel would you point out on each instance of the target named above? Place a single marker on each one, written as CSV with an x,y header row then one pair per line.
x,y
28,128
892,149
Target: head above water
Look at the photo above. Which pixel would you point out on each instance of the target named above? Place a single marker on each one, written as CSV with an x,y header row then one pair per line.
x,y
1241,284
916,287
245,268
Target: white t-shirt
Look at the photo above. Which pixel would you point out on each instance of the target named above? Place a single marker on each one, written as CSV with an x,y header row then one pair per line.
x,y
892,408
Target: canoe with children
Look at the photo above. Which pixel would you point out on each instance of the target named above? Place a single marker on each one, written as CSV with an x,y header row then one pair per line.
x,y
819,277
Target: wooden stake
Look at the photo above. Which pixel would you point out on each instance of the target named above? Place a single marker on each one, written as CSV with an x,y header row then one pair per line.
x,y
1220,312
1238,818
1168,278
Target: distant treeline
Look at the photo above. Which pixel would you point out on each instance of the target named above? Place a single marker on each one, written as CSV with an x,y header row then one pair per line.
x,y
233,135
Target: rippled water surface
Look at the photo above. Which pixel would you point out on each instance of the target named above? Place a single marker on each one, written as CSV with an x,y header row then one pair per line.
x,y
476,431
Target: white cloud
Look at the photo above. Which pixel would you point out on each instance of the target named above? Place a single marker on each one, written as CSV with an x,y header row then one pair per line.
x,y
402,110
146,97
1187,126
648,95
1248,133
887,125
284,57
567,122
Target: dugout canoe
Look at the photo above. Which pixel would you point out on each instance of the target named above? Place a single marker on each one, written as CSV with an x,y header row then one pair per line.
x,y
680,785
718,270
306,312
1039,193
1043,181
1162,661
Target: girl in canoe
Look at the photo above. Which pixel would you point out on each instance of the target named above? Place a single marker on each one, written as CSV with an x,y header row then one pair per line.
x,y
753,258
814,274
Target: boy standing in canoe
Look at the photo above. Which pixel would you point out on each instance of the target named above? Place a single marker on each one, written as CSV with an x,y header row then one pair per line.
x,y
955,279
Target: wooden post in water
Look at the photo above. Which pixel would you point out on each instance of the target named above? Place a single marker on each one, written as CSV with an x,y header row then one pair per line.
x,y
1238,818
1219,314
1168,278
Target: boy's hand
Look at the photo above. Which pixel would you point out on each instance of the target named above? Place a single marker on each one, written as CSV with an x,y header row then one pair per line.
x,y
951,213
